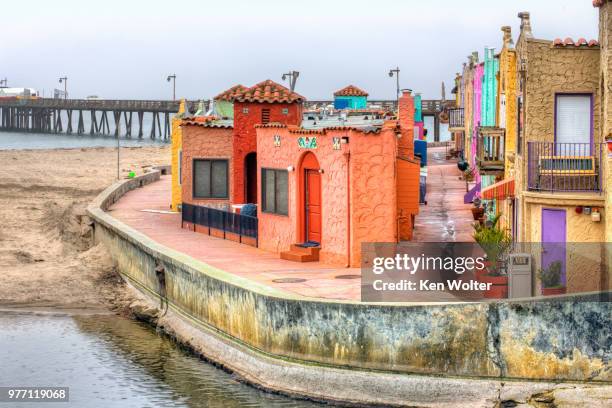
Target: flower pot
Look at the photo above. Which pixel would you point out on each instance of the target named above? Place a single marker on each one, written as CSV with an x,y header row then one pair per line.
x,y
554,291
477,213
499,286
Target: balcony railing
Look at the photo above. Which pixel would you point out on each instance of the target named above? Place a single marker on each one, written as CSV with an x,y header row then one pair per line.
x,y
564,167
456,119
490,149
223,222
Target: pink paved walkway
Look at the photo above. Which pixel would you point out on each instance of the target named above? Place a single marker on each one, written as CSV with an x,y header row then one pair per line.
x,y
445,203
243,260
445,209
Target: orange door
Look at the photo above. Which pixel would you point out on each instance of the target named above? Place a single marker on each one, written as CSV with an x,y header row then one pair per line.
x,y
313,206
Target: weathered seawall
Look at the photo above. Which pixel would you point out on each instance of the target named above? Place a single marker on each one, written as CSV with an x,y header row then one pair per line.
x,y
555,339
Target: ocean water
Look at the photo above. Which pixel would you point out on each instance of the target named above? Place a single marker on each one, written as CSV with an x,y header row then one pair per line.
x,y
110,361
27,140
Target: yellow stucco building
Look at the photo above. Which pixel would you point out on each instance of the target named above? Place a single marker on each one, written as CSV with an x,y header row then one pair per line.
x,y
177,148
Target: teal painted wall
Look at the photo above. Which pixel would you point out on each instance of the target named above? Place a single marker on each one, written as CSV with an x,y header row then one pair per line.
x,y
418,108
489,88
355,102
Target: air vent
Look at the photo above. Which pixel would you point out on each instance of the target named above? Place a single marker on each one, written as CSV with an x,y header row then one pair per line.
x,y
265,116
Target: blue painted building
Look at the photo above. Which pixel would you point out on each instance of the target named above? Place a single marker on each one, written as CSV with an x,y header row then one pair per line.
x,y
350,97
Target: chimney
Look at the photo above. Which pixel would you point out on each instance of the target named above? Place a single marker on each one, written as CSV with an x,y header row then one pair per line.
x,y
508,43
525,24
406,124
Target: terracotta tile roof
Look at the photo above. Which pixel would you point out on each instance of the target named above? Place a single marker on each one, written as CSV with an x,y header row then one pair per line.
x,y
351,90
321,131
231,93
198,120
269,92
581,42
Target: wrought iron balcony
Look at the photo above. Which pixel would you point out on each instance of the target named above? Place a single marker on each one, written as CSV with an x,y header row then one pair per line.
x,y
456,120
564,167
490,149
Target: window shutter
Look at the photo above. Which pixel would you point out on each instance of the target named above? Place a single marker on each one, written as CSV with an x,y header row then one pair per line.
x,y
573,124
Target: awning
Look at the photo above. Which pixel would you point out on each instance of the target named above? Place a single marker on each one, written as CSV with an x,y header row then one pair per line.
x,y
499,190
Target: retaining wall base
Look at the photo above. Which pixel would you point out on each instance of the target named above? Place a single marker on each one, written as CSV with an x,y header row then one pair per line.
x,y
347,387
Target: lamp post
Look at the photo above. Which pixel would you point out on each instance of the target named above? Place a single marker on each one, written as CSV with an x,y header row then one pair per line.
x,y
64,79
395,72
293,76
173,79
3,83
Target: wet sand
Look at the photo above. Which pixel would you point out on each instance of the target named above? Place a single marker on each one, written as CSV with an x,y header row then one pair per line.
x,y
46,254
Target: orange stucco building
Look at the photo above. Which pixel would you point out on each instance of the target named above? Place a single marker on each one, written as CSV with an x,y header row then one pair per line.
x,y
346,185
322,187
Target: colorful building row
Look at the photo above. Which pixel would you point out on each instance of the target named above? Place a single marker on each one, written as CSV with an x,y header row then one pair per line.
x,y
532,123
322,184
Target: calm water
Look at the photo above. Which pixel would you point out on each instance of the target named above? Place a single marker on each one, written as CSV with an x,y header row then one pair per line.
x,y
18,140
108,361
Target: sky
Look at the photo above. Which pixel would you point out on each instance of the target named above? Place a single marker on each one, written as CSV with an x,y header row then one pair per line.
x,y
126,49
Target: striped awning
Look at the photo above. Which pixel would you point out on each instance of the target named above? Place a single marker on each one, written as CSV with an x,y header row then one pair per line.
x,y
499,190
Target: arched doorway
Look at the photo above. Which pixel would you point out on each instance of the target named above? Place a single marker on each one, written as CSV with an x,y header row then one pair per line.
x,y
309,200
250,178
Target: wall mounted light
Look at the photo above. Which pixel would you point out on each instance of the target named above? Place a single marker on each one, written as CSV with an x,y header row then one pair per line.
x,y
290,169
321,171
344,140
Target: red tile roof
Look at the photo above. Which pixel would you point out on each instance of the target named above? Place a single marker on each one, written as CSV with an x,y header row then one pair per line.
x,y
231,93
351,90
198,120
268,92
568,42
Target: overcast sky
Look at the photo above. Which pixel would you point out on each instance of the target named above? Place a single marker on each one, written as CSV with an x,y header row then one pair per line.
x,y
125,49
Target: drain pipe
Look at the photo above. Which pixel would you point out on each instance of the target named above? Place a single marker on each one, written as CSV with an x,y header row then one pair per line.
x,y
348,208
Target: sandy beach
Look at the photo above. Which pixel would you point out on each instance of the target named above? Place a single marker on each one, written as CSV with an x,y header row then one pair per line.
x,y
46,255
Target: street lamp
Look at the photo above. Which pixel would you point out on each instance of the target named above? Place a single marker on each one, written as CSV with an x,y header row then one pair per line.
x,y
173,79
64,79
293,76
395,72
3,83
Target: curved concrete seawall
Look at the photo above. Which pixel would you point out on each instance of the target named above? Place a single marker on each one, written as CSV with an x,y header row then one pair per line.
x,y
556,339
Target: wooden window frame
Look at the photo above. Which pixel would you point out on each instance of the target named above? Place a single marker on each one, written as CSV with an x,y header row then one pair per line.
x,y
263,191
193,178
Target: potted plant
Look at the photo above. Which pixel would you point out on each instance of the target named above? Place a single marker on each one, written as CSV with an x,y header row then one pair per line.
x,y
495,242
477,209
551,279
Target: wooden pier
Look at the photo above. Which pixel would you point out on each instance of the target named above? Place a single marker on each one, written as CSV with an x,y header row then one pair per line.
x,y
104,117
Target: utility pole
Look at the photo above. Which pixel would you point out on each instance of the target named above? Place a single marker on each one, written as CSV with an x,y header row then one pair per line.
x,y
293,76
173,79
64,79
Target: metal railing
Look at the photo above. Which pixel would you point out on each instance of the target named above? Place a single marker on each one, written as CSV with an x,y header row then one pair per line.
x,y
456,118
223,221
564,167
490,149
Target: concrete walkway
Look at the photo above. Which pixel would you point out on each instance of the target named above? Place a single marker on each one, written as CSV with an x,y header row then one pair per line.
x,y
319,280
445,217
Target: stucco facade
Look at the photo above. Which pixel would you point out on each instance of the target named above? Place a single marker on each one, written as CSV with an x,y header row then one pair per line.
x,y
508,94
358,183
177,145
200,141
551,70
246,116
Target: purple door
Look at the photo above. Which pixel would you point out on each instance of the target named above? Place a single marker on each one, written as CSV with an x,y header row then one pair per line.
x,y
553,239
